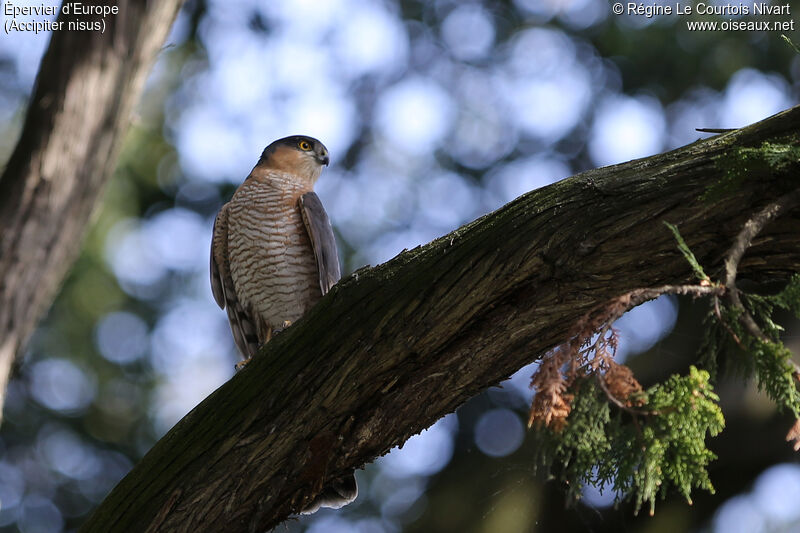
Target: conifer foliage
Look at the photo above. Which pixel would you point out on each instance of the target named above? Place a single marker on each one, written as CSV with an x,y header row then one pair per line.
x,y
596,425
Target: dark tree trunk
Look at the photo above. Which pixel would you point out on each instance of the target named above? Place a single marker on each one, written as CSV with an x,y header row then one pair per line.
x,y
87,86
393,348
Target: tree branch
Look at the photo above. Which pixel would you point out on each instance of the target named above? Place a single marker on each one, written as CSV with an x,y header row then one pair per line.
x,y
87,85
393,348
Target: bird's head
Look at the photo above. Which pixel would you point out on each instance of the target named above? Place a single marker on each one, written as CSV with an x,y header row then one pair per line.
x,y
299,155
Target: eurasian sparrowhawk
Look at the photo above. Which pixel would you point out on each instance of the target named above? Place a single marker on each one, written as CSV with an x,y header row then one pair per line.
x,y
273,256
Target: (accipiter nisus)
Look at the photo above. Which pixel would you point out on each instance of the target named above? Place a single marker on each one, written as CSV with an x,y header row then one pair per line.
x,y
273,256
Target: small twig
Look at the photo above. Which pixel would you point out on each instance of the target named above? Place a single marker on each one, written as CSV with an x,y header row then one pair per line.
x,y
619,403
725,324
740,245
613,399
598,322
637,297
714,130
752,228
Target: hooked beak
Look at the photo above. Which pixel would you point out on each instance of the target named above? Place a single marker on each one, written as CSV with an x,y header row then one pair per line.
x,y
323,159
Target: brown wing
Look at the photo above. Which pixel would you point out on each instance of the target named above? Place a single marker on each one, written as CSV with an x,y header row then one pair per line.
x,y
219,256
243,328
322,240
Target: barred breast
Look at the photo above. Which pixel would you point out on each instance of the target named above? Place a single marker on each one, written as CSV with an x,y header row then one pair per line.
x,y
271,259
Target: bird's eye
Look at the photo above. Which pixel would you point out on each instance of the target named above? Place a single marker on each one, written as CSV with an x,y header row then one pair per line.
x,y
304,145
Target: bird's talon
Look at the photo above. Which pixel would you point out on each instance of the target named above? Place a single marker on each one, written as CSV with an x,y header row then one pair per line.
x,y
286,324
241,364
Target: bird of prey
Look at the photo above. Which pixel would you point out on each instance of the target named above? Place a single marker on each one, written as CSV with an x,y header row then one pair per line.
x,y
273,256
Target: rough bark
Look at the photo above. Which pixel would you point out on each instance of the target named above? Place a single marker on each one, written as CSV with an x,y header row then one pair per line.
x,y
393,348
87,85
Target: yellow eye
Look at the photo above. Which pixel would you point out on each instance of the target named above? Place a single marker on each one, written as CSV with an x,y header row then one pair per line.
x,y
304,145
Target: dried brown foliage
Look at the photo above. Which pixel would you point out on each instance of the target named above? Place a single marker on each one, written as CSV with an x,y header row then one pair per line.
x,y
552,403
620,384
589,352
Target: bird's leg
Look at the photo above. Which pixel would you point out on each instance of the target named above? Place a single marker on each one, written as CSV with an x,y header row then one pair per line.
x,y
268,335
286,324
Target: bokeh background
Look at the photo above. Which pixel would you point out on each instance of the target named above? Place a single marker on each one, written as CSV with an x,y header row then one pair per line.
x,y
435,112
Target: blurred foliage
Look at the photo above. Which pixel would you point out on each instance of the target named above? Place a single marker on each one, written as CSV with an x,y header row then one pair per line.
x,y
133,340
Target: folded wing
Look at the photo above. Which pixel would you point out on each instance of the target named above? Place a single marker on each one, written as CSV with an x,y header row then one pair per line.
x,y
322,240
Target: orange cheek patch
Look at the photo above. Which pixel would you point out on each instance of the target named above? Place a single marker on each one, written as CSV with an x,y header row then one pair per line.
x,y
286,159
